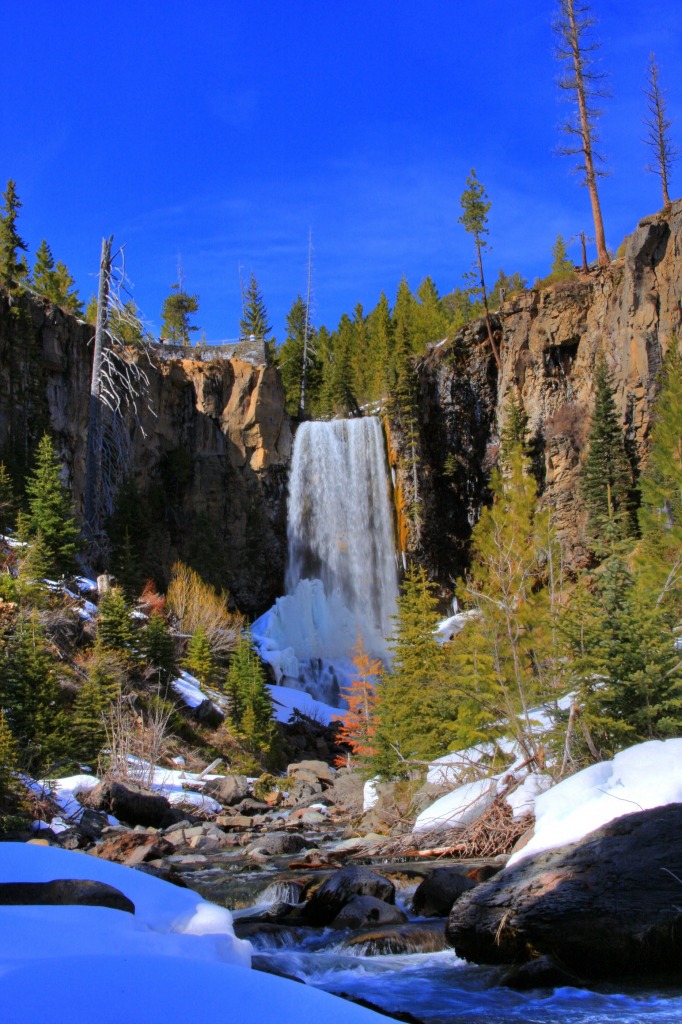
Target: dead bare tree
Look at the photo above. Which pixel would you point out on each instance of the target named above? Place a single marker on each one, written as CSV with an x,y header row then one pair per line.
x,y
118,382
582,83
658,126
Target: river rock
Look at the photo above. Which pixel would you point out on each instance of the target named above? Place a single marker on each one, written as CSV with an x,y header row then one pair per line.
x,y
132,848
130,803
273,844
63,892
438,891
368,912
338,890
609,906
229,789
319,770
411,937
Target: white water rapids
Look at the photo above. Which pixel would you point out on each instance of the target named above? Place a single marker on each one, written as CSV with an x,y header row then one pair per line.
x,y
341,578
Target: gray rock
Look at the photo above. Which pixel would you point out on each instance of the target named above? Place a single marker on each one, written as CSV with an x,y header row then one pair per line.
x,y
274,844
605,907
334,893
438,891
229,789
130,803
319,770
367,912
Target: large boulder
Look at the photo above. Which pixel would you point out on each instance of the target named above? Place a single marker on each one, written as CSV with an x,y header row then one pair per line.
x,y
608,906
368,912
131,804
227,790
438,891
318,770
338,890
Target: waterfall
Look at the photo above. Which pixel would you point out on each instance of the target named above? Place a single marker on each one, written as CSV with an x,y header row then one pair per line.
x,y
341,578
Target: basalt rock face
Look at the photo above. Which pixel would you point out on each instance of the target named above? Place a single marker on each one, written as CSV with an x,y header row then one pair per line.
x,y
550,340
209,441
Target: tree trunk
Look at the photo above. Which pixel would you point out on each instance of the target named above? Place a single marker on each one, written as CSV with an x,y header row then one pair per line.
x,y
93,450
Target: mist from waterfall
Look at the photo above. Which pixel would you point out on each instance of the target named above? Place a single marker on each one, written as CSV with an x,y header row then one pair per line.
x,y
341,579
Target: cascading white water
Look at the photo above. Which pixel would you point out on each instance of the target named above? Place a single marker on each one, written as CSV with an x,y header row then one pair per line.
x,y
341,579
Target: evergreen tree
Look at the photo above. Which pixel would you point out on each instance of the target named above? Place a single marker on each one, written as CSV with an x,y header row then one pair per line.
x,y
7,499
128,529
255,319
177,309
29,693
50,511
157,649
199,660
115,630
340,385
412,716
515,429
475,208
107,669
562,266
430,321
9,763
659,561
505,286
381,348
251,708
67,294
87,734
44,271
606,475
12,269
125,325
290,358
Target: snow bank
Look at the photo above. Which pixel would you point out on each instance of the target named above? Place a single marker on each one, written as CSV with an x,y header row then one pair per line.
x,y
176,955
637,779
458,808
287,700
189,690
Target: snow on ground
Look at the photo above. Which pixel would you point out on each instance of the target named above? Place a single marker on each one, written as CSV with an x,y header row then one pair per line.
x,y
287,700
637,779
176,955
188,688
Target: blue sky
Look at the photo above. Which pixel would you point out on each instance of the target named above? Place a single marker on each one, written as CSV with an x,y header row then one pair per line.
x,y
219,133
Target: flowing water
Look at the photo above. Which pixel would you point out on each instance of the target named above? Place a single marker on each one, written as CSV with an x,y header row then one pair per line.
x,y
342,579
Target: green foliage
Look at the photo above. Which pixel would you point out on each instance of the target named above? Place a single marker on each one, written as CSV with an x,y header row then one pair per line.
x,y
12,268
475,209
251,710
255,319
8,503
115,629
508,657
87,734
606,474
54,281
158,650
199,660
562,265
128,529
50,511
504,286
9,762
177,309
29,693
412,711
125,325
290,356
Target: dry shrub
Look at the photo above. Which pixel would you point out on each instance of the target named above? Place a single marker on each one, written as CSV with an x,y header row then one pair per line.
x,y
134,744
150,601
196,604
569,421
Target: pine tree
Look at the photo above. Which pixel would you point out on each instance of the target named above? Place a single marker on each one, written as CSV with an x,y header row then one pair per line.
x,y
251,708
175,313
254,322
66,291
381,350
562,266
29,693
157,648
44,271
115,630
659,561
7,499
508,658
358,724
658,126
50,511
87,734
582,83
107,669
412,716
12,269
9,763
290,358
606,475
199,660
476,206
430,321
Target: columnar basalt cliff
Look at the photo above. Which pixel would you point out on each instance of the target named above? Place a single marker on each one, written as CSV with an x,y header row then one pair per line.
x,y
211,443
550,340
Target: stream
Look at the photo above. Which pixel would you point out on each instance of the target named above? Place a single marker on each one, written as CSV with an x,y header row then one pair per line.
x,y
428,982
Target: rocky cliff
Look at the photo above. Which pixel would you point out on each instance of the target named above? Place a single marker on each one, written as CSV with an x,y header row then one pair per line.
x,y
207,442
550,339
